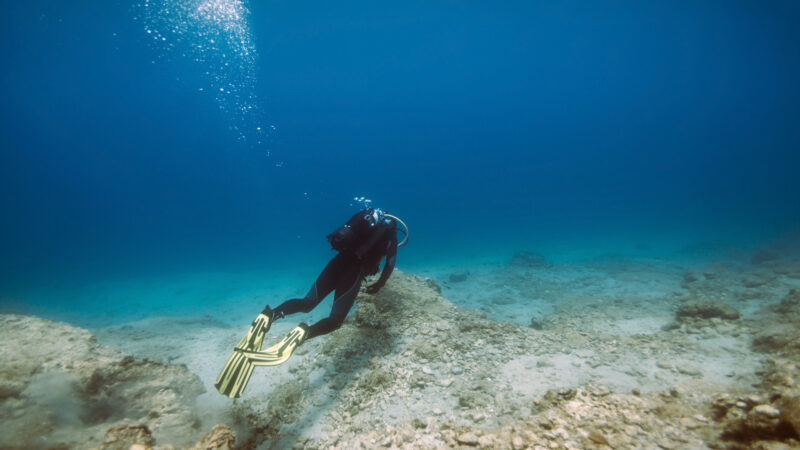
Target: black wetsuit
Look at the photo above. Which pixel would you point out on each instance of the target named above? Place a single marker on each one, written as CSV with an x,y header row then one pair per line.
x,y
344,275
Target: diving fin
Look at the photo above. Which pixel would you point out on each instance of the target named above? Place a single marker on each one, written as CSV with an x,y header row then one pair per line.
x,y
237,370
280,352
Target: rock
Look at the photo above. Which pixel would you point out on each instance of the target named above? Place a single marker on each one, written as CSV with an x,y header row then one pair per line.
x,y
777,337
10,388
419,379
433,285
367,315
707,310
473,399
502,300
445,382
711,274
768,411
754,282
721,405
790,303
537,323
468,438
526,259
124,437
763,255
486,442
671,326
458,277
688,423
689,370
760,423
690,277
790,412
424,349
597,437
443,325
666,365
221,437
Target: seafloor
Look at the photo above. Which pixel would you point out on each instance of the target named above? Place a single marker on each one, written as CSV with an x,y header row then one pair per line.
x,y
609,352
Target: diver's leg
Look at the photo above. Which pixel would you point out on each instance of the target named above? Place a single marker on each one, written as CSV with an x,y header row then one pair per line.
x,y
346,293
324,285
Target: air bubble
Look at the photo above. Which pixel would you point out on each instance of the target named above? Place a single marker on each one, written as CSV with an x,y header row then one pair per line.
x,y
215,36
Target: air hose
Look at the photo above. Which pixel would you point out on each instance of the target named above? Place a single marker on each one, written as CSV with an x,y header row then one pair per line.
x,y
405,231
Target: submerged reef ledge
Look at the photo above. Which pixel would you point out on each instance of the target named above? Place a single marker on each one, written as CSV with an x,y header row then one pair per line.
x,y
59,388
409,369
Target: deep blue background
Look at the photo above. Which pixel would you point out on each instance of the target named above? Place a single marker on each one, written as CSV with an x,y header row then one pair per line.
x,y
475,122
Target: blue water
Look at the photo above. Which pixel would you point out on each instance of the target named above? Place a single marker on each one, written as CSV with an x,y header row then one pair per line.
x,y
562,127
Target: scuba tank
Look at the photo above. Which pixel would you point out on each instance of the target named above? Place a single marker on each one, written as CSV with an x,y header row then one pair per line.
x,y
363,231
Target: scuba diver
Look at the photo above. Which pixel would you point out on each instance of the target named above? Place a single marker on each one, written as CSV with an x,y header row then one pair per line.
x,y
362,243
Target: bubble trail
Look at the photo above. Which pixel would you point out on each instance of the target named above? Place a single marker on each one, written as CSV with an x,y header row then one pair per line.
x,y
215,38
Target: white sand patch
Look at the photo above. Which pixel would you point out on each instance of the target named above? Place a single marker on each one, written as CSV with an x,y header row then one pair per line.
x,y
631,327
532,376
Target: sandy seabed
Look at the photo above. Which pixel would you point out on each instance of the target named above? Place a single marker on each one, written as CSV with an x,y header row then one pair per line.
x,y
607,353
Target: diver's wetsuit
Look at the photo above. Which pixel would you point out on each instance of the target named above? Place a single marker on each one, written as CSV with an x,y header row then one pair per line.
x,y
344,274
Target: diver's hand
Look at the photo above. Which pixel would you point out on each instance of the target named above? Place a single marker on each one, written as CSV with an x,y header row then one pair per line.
x,y
373,288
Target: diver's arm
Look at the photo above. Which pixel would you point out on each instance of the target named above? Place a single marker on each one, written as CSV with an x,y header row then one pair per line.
x,y
388,267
